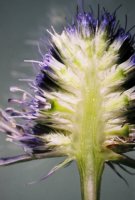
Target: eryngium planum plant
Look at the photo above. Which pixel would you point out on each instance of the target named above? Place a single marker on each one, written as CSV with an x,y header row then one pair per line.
x,y
82,101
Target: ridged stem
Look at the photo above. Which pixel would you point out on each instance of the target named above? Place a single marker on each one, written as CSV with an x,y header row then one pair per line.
x,y
90,178
90,135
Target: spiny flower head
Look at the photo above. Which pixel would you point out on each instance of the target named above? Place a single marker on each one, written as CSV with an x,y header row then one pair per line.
x,y
82,101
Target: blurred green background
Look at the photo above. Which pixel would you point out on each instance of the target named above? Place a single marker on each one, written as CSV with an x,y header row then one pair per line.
x,y
23,24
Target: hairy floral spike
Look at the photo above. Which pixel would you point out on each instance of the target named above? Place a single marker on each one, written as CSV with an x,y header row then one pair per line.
x,y
82,103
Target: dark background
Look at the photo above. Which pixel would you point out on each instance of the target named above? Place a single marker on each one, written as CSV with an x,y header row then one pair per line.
x,y
23,24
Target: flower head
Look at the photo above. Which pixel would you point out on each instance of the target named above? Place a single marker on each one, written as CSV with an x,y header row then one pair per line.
x,y
82,101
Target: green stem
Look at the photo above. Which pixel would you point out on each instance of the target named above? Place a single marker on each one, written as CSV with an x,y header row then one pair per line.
x,y
89,136
90,178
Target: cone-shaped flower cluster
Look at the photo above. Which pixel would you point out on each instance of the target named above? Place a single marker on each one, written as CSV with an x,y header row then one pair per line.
x,y
82,103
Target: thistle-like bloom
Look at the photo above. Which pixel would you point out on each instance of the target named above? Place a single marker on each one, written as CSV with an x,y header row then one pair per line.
x,y
82,103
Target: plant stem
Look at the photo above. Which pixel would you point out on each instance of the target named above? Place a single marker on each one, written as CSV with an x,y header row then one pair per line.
x,y
90,177
90,136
